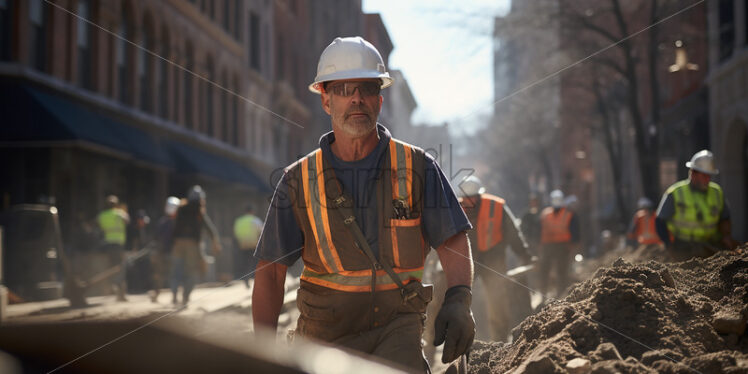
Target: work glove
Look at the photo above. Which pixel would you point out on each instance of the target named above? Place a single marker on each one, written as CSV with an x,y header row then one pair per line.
x,y
454,325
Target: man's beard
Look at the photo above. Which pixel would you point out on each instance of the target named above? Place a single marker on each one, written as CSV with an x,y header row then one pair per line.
x,y
358,126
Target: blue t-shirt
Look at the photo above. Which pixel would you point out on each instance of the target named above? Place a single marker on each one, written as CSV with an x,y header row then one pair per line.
x,y
282,238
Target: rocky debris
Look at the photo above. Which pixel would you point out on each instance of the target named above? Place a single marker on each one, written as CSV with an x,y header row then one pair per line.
x,y
728,322
579,366
663,318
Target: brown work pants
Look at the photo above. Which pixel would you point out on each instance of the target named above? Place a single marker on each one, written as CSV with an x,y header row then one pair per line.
x,y
380,325
555,257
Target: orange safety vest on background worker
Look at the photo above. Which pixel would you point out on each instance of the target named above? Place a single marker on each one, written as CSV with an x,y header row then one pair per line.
x,y
555,226
644,228
332,259
490,214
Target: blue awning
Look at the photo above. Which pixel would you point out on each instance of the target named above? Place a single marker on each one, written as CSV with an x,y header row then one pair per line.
x,y
30,114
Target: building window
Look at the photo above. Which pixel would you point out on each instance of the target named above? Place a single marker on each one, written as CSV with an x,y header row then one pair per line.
x,y
254,40
124,51
38,36
189,111
6,17
208,100
238,10
726,29
234,120
225,115
84,45
280,63
163,76
227,16
145,67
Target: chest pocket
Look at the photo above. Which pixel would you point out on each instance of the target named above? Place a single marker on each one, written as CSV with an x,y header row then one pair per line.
x,y
408,245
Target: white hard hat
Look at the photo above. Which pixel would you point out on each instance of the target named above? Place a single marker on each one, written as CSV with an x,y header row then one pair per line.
x,y
195,193
172,203
350,58
703,161
470,186
644,203
557,198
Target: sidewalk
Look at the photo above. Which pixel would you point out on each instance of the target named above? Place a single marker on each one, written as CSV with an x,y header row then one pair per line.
x,y
208,298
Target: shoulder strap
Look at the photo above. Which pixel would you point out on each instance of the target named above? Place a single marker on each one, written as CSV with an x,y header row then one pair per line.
x,y
350,222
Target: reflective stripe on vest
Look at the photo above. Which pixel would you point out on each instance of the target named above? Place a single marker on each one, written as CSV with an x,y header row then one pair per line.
x,y
312,178
335,275
113,226
696,214
490,216
555,227
645,231
401,163
360,281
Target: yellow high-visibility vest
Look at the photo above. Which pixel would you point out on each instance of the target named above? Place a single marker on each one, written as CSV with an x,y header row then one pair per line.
x,y
247,231
113,225
696,214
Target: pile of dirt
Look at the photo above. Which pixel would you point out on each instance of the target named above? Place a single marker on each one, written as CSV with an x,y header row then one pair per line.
x,y
687,317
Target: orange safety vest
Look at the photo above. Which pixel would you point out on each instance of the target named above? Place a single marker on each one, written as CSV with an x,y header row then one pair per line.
x,y
331,255
488,222
644,228
555,226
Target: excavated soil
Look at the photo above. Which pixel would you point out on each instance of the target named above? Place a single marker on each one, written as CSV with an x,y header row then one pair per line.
x,y
652,317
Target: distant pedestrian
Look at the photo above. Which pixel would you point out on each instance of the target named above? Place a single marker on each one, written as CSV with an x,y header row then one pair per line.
x,y
247,229
188,264
113,223
164,239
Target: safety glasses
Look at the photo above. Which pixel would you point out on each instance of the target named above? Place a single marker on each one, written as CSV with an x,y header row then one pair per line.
x,y
346,89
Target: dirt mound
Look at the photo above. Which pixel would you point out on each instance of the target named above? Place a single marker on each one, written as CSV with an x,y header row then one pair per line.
x,y
636,318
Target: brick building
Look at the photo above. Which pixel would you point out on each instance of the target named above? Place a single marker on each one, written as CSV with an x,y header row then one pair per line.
x,y
143,99
728,104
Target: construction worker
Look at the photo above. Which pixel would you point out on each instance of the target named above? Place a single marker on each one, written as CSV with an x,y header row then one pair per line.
x,y
694,213
642,232
530,223
188,264
495,229
247,230
113,223
559,238
361,211
161,256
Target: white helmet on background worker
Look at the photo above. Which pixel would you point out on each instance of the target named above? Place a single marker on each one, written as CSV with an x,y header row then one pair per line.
x,y
350,58
644,203
195,194
470,186
703,161
172,203
557,199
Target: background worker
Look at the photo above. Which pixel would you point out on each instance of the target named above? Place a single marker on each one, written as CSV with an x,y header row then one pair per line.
x,y
161,256
642,232
247,230
362,237
495,229
187,262
694,213
113,223
559,240
530,224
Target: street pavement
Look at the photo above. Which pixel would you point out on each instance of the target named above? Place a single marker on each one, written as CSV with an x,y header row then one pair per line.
x,y
207,298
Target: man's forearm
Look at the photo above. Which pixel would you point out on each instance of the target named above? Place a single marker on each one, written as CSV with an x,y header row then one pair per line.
x,y
267,294
457,260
